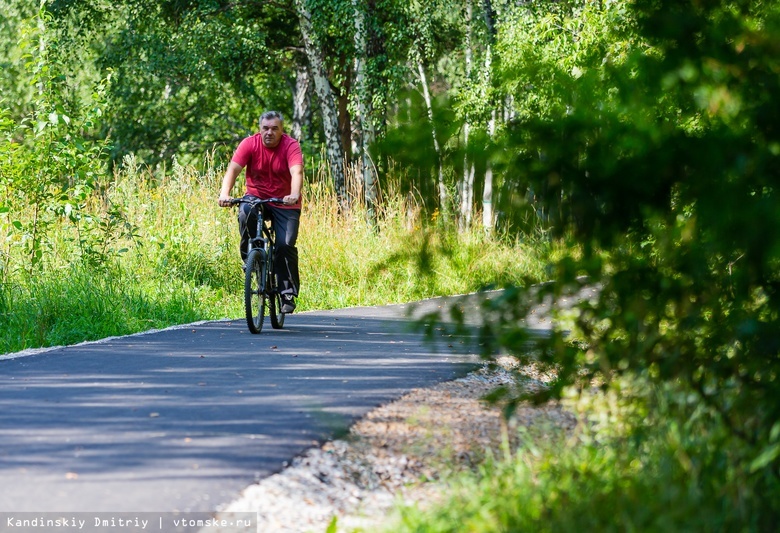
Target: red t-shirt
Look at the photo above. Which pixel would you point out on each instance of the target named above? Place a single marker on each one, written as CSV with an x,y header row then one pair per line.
x,y
268,169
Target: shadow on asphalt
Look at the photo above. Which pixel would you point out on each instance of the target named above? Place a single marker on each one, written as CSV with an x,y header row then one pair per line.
x,y
183,419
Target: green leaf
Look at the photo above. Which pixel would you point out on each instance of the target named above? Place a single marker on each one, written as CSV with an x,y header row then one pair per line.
x,y
775,432
767,456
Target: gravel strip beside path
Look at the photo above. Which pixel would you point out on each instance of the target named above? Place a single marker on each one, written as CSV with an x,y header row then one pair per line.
x,y
398,452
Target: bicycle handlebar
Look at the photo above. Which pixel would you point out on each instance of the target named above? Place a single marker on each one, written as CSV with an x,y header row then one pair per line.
x,y
256,201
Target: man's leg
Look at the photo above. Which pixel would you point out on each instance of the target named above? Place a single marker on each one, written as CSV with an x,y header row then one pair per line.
x,y
286,223
247,227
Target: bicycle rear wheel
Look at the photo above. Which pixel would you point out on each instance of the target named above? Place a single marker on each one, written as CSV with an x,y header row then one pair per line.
x,y
254,289
275,303
275,311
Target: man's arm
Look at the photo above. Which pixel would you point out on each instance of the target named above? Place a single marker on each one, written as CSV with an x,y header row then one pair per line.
x,y
228,182
296,184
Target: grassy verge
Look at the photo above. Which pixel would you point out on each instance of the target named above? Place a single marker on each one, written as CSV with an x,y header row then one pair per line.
x,y
642,459
164,253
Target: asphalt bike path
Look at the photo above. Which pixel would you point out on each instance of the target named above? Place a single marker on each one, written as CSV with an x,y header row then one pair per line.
x,y
182,420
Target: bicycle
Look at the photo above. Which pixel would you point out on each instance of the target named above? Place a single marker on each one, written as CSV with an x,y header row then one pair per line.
x,y
260,290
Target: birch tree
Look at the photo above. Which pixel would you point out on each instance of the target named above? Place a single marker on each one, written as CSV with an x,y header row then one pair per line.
x,y
330,115
478,111
366,133
423,53
466,187
301,120
441,186
487,191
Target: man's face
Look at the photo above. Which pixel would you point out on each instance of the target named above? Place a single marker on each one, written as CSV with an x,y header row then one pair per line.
x,y
271,132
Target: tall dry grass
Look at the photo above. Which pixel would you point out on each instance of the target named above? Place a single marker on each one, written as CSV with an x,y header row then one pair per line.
x,y
169,255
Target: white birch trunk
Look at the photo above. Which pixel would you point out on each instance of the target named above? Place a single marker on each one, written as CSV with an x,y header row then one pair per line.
x,y
466,187
488,221
301,103
488,217
487,193
439,170
330,115
366,133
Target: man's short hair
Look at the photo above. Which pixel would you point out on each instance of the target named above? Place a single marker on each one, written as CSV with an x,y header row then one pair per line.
x,y
271,115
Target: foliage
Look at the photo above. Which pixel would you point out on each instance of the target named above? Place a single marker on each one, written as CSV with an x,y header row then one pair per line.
x,y
642,130
14,87
48,165
187,75
661,160
409,144
556,59
678,477
192,75
387,33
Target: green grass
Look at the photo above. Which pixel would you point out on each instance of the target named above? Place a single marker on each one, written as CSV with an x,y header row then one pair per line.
x,y
624,469
74,305
164,253
158,251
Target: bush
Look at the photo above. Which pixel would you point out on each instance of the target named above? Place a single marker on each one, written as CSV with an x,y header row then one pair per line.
x,y
621,471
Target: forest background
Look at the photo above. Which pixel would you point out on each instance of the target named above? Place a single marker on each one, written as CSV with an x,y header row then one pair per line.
x,y
450,146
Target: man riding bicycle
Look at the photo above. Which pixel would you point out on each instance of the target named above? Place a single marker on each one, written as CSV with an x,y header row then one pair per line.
x,y
274,169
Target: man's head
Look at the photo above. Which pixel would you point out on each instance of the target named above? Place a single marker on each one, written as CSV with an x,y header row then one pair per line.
x,y
271,128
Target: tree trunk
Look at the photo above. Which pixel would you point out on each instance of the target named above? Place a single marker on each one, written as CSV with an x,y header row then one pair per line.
x,y
437,149
330,114
468,195
490,19
365,130
301,121
345,121
487,192
488,219
466,187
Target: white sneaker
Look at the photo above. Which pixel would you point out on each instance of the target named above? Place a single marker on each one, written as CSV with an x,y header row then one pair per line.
x,y
288,303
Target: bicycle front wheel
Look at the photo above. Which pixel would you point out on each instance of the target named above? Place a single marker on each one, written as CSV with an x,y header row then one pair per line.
x,y
254,289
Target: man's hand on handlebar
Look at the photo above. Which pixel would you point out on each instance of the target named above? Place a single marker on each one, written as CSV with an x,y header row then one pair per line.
x,y
291,199
225,201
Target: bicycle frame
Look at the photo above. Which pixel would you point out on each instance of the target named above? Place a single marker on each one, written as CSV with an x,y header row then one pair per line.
x,y
260,279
